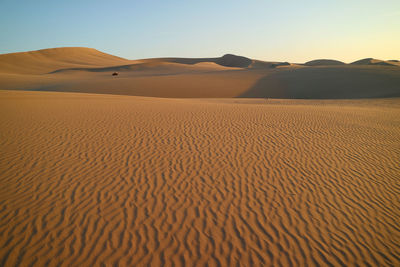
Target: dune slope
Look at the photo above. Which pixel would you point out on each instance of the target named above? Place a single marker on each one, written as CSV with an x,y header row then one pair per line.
x,y
328,82
92,180
47,60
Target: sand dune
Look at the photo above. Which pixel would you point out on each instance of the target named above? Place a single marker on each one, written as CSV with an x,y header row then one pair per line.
x,y
47,60
101,180
89,71
323,62
373,61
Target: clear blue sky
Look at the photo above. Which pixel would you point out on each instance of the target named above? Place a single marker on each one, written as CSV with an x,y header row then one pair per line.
x,y
295,31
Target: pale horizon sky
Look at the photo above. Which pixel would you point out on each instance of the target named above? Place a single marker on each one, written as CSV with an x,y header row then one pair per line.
x,y
295,31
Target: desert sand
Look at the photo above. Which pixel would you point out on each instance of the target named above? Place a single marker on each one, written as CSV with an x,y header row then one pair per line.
x,y
86,70
108,180
224,161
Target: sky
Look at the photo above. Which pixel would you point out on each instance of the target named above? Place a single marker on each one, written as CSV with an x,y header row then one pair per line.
x,y
294,31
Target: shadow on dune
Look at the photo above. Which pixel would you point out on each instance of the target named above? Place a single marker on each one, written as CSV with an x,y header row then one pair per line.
x,y
328,83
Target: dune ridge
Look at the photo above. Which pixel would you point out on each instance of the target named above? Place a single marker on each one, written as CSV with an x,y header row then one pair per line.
x,y
92,180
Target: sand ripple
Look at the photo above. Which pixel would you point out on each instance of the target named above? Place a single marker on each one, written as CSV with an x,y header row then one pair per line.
x,y
113,180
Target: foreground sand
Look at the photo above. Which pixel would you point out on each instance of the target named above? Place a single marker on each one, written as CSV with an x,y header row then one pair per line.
x,y
89,180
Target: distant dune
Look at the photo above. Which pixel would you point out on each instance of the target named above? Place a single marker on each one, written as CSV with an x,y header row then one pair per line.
x,y
89,71
105,180
372,61
47,60
323,62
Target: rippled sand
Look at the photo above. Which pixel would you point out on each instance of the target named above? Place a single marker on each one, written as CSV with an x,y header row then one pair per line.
x,y
89,180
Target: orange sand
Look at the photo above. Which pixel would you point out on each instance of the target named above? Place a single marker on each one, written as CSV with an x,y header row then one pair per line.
x,y
92,180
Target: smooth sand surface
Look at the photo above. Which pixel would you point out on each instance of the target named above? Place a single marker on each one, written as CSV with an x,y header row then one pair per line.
x,y
87,70
104,180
